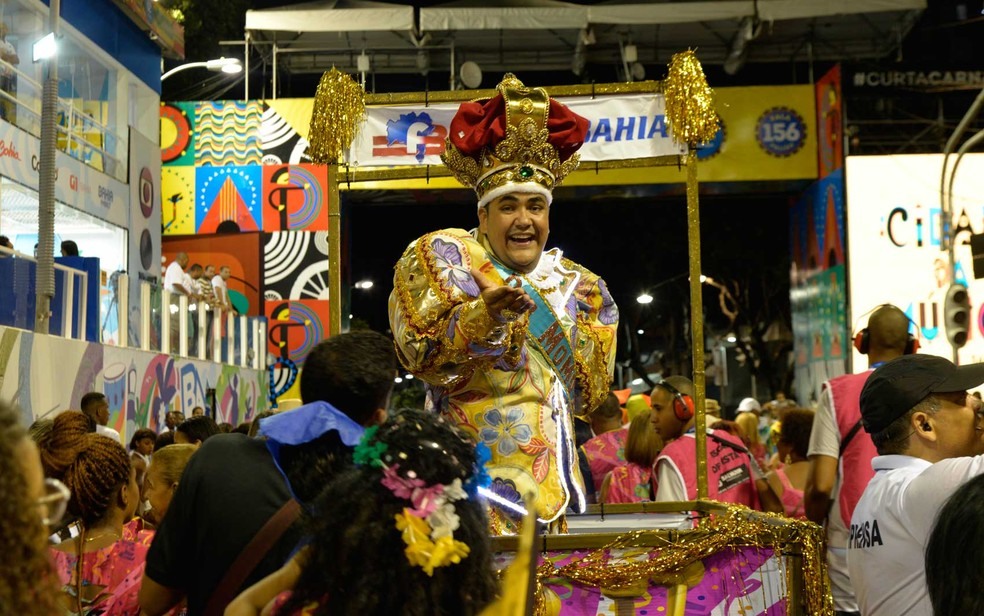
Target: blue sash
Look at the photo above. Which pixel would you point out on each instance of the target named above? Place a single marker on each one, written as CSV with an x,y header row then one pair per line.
x,y
550,339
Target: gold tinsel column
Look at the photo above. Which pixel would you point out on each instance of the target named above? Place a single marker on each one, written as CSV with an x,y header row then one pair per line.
x,y
690,113
339,112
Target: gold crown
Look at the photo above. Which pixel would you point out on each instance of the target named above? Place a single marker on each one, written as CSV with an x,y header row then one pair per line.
x,y
523,156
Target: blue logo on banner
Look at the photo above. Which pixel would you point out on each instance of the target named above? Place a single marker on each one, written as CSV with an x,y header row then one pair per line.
x,y
712,147
780,131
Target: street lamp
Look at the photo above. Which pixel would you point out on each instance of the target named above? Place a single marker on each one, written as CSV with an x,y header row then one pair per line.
x,y
645,298
225,65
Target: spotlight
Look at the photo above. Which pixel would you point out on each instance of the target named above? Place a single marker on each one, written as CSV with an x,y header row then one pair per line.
x,y
645,298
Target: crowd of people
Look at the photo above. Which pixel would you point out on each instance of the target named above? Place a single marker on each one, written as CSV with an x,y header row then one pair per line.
x,y
345,506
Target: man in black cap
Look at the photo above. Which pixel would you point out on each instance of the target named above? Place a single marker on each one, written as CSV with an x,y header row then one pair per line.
x,y
929,436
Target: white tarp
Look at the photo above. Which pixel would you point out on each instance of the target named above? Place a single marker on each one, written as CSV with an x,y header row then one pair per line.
x,y
622,127
333,16
473,15
769,10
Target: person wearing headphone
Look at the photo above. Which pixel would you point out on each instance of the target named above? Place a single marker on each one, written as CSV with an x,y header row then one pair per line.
x,y
731,473
840,452
930,439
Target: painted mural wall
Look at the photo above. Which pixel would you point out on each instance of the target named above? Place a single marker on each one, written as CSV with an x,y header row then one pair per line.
x,y
238,190
48,374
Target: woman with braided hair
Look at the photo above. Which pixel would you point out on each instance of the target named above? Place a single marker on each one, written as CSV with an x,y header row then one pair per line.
x,y
100,570
401,533
27,582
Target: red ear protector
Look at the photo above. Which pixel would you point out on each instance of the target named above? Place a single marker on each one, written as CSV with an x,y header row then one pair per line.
x,y
683,405
862,340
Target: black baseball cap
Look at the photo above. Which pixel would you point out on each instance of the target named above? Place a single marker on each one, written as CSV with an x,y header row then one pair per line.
x,y
900,384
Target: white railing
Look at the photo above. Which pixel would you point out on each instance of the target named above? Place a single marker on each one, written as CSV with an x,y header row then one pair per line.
x,y
76,143
199,331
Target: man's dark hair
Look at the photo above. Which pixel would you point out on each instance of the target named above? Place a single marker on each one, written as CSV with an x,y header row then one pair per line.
x,y
70,248
608,409
164,439
197,267
198,428
353,372
954,573
90,400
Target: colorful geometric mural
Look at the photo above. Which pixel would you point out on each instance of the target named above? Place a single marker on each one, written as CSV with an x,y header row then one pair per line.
x,y
140,386
228,133
295,198
238,190
227,199
295,265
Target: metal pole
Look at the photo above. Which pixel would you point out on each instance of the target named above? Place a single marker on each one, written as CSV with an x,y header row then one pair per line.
x,y
246,67
697,322
45,284
274,71
334,253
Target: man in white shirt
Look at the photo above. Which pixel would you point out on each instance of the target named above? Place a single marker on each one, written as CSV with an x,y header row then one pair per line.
x,y
221,288
928,434
95,406
174,276
841,453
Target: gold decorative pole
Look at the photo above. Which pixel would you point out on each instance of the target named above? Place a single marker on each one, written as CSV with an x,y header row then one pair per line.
x,y
339,112
334,253
690,112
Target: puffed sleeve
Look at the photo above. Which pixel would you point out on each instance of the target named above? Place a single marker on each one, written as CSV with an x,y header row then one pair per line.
x,y
594,344
442,329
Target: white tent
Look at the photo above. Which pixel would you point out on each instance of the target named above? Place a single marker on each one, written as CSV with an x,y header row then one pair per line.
x,y
333,16
551,35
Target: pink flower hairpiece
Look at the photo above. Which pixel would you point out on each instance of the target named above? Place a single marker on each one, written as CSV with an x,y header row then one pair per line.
x,y
430,540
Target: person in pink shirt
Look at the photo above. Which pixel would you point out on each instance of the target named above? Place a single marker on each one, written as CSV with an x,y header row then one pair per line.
x,y
789,480
633,480
606,450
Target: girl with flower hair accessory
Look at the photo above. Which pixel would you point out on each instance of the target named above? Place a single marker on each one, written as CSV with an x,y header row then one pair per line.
x,y
402,533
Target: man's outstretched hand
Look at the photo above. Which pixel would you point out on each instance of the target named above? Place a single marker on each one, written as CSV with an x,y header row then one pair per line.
x,y
506,302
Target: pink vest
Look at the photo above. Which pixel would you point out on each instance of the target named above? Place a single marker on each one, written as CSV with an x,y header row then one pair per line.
x,y
604,452
856,469
729,471
630,483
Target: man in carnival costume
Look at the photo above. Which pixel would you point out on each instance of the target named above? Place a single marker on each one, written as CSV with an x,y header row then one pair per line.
x,y
512,339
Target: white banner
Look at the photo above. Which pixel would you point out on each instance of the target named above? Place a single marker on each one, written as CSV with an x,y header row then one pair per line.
x,y
893,224
76,184
622,127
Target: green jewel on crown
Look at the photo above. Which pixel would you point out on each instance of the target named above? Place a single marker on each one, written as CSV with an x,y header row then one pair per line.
x,y
526,172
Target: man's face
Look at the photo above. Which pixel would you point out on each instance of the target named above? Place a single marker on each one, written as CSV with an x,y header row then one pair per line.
x,y
195,274
210,272
517,226
172,419
665,421
101,412
197,411
225,272
956,425
182,261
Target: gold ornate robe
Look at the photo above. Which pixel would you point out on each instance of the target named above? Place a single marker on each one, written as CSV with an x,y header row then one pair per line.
x,y
495,380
